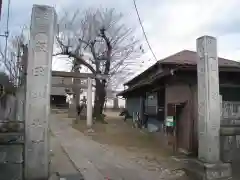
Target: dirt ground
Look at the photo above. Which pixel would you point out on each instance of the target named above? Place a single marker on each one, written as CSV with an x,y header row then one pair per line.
x,y
122,134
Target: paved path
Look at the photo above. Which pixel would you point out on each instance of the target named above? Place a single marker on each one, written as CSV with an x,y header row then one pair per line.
x,y
60,163
96,161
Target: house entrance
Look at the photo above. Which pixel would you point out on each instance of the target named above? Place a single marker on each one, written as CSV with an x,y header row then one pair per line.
x,y
175,126
181,128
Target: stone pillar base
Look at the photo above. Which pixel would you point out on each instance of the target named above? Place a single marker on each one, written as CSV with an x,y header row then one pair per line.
x,y
206,171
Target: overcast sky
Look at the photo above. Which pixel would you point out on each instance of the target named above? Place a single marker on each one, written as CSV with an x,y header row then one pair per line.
x,y
171,25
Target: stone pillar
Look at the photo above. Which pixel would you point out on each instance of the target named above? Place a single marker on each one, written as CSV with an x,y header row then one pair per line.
x,y
89,103
43,23
208,100
209,165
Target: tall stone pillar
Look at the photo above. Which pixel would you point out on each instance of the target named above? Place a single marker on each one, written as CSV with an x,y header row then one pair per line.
x,y
209,165
208,100
43,23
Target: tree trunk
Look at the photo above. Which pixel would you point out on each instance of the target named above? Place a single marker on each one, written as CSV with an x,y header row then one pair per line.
x,y
99,100
76,90
102,99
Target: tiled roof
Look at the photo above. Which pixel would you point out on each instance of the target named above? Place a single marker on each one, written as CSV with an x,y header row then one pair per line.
x,y
187,57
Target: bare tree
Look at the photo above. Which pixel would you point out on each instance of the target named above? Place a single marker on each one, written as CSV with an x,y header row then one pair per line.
x,y
12,60
102,35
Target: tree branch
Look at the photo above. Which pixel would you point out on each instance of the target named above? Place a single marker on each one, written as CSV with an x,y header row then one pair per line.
x,y
102,34
81,61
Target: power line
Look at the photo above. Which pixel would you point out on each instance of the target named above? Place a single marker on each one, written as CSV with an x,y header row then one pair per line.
x,y
144,33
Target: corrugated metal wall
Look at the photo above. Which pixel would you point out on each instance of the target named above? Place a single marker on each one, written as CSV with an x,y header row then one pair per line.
x,y
133,104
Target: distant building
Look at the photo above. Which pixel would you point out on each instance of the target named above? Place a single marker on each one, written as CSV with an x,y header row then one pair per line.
x,y
58,94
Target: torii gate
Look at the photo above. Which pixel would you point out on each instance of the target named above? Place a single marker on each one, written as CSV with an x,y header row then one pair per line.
x,y
89,78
